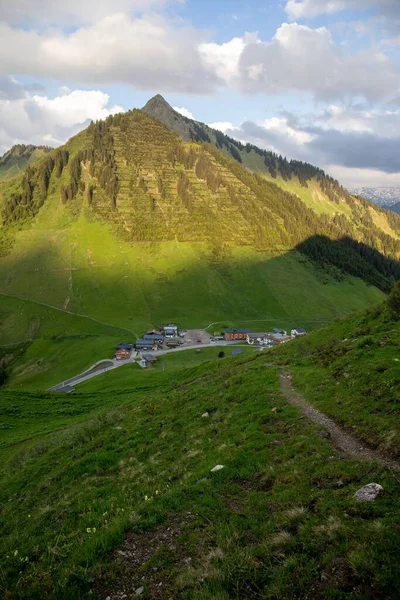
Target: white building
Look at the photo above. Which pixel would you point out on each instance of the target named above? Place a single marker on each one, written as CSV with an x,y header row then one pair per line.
x,y
298,331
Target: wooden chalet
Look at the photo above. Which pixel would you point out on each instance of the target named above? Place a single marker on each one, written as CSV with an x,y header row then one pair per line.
x,y
173,342
123,351
236,334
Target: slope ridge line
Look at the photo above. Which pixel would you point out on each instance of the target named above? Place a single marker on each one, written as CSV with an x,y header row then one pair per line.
x,y
68,312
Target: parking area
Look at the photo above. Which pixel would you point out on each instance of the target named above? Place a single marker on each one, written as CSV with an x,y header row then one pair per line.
x,y
194,337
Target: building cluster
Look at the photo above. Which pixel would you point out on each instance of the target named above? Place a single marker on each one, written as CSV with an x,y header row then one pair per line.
x,y
275,337
168,337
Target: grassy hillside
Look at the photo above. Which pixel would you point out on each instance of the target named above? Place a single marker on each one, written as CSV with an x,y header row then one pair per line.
x,y
131,227
126,290
351,371
131,471
319,192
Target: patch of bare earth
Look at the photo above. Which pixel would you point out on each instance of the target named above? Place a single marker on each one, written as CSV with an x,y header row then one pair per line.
x,y
337,575
344,441
259,483
143,566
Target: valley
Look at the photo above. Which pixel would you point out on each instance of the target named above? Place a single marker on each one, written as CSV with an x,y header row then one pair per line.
x,y
203,475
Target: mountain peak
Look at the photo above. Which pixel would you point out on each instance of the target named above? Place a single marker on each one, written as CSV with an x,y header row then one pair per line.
x,y
158,108
157,103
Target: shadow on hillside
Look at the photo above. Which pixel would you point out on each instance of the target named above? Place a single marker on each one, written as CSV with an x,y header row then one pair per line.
x,y
193,286
347,256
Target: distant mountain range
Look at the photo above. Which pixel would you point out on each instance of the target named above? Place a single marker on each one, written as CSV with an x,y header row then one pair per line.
x,y
386,197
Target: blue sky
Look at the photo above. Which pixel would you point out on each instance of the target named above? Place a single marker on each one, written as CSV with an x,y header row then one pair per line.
x,y
316,80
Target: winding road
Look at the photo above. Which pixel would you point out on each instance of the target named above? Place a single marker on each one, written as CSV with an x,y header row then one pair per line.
x,y
67,386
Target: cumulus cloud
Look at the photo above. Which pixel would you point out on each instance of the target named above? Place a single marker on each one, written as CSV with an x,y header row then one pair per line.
x,y
150,52
145,51
38,119
74,11
357,178
224,127
300,9
305,59
223,59
184,111
303,9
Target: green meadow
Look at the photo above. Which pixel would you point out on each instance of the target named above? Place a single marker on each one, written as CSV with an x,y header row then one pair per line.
x,y
162,372
85,476
82,280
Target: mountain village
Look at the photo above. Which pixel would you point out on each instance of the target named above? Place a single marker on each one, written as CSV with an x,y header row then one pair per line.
x,y
169,337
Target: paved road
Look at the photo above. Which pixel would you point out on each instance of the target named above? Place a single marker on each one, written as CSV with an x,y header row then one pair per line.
x,y
67,386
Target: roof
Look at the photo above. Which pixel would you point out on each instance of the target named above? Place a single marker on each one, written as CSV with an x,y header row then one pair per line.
x,y
236,351
257,335
153,336
230,330
280,337
124,346
144,343
150,358
277,329
299,329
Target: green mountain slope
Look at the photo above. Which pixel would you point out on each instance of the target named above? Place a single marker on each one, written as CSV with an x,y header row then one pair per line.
x,y
131,226
18,157
319,191
87,485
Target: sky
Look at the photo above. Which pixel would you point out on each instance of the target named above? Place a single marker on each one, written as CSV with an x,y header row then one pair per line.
x,y
314,80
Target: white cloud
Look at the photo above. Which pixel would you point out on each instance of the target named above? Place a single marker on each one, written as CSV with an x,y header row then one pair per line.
x,y
184,111
356,178
145,51
223,59
306,9
224,127
303,59
38,119
71,11
300,9
152,53
280,125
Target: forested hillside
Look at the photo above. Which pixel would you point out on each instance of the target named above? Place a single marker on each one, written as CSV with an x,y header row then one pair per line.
x,y
133,173
131,226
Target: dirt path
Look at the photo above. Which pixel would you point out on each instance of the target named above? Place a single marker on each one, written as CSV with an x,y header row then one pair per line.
x,y
343,440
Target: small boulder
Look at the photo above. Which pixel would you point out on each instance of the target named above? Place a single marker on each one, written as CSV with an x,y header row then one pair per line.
x,y
139,591
274,410
217,468
369,492
205,415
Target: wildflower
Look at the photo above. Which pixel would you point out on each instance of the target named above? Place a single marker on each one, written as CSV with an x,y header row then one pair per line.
x,y
15,552
88,529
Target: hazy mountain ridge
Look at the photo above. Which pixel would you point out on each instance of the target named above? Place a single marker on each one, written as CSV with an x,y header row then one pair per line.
x,y
394,207
18,157
383,196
